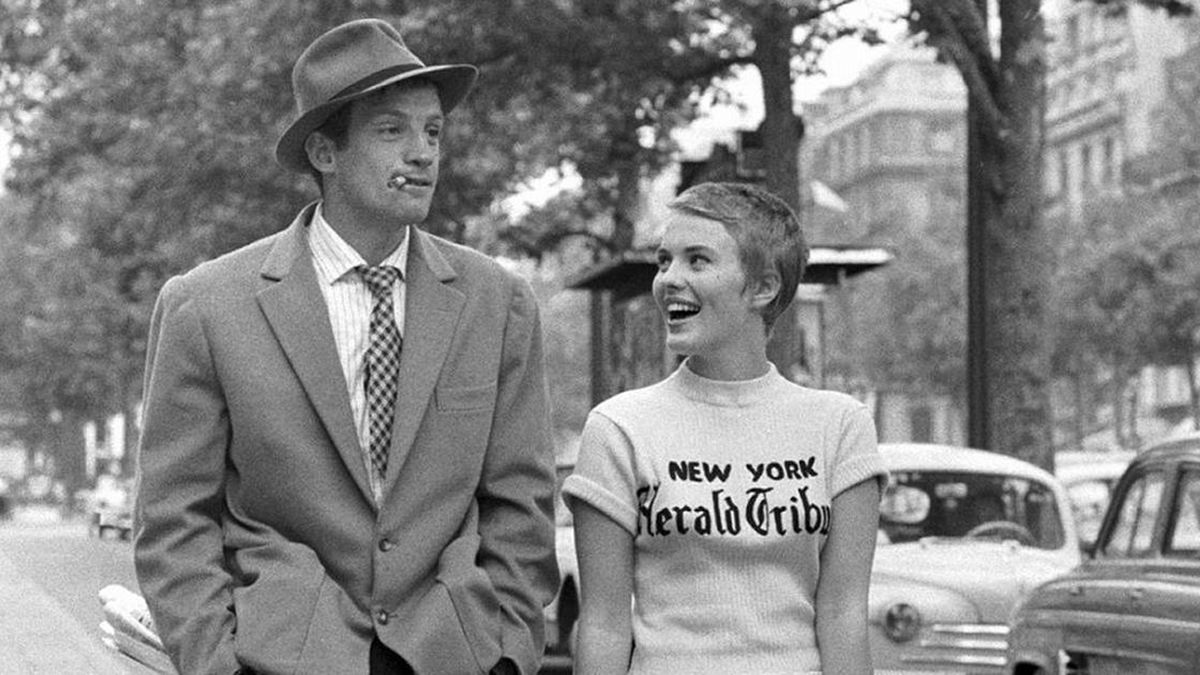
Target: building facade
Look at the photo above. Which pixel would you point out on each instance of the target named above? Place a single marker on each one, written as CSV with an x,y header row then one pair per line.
x,y
1115,80
893,145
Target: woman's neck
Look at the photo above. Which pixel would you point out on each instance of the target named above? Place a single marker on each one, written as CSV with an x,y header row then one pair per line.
x,y
729,369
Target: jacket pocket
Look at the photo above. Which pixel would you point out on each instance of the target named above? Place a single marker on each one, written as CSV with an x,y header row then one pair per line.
x,y
474,599
464,399
274,613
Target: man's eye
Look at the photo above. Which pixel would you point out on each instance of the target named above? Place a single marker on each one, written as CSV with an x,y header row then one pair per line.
x,y
663,263
699,260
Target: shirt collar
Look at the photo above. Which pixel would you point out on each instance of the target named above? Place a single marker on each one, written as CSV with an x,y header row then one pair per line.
x,y
333,258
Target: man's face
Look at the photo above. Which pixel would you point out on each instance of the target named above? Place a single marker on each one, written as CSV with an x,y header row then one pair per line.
x,y
394,133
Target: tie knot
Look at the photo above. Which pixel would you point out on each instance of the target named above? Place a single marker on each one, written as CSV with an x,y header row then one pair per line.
x,y
379,279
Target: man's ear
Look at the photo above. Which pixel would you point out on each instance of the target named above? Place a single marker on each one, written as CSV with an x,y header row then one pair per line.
x,y
764,289
319,149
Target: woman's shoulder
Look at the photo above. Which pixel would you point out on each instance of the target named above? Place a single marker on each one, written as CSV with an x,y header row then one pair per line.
x,y
826,399
635,402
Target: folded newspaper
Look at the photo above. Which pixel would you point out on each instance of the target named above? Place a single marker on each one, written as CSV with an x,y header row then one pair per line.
x,y
128,628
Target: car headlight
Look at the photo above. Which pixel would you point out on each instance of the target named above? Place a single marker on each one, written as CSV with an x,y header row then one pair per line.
x,y
901,622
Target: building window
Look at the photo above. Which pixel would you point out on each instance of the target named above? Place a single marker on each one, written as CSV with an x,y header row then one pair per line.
x,y
920,419
1071,29
1085,164
1050,180
1109,166
941,137
1064,171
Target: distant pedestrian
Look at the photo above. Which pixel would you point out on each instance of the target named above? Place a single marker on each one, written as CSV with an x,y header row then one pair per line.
x,y
735,510
345,463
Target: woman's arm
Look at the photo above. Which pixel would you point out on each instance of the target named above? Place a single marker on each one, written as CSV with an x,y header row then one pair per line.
x,y
842,590
605,553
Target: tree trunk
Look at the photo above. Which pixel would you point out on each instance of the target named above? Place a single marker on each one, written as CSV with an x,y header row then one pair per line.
x,y
1080,418
1118,408
1135,404
624,158
781,138
1016,246
1193,394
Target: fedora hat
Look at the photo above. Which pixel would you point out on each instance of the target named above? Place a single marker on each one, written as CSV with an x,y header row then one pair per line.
x,y
349,62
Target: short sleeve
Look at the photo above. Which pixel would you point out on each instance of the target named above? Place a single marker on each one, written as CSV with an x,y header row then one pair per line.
x,y
605,474
857,457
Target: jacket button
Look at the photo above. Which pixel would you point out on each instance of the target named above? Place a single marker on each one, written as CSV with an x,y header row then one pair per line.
x,y
386,545
382,616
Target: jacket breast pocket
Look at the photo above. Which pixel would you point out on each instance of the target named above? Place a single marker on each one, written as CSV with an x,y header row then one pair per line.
x,y
465,399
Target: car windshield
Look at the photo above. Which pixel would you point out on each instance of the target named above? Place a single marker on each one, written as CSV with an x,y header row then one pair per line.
x,y
942,504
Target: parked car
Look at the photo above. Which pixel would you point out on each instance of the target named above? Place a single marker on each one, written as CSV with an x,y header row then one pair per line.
x,y
964,535
1089,478
1133,605
109,505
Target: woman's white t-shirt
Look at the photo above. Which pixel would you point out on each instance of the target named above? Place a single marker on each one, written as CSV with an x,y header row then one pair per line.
x,y
726,488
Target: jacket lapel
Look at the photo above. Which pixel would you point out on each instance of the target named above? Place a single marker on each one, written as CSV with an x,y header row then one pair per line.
x,y
431,313
292,302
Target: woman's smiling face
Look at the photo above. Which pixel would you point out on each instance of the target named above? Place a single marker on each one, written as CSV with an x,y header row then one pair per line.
x,y
703,293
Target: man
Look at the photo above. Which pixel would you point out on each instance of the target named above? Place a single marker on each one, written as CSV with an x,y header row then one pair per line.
x,y
345,464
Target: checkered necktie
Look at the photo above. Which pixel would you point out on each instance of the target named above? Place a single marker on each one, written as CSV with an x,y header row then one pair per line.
x,y
381,362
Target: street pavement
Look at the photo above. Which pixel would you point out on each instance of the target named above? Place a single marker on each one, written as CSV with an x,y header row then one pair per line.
x,y
38,636
50,573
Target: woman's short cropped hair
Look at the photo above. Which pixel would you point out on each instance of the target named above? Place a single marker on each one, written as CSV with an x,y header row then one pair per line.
x,y
766,229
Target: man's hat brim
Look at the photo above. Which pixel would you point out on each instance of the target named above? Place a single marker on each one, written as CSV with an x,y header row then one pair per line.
x,y
453,83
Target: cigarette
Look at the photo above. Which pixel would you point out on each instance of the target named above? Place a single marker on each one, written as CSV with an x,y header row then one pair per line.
x,y
397,182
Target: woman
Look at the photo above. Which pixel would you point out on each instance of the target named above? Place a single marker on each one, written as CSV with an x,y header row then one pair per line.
x,y
737,510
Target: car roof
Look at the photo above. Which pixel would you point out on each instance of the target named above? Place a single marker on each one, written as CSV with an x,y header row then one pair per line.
x,y
1179,446
937,457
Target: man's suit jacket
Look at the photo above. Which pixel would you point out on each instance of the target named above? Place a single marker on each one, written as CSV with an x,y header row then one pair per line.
x,y
257,541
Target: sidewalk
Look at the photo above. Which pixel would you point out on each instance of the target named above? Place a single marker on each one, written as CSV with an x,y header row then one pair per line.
x,y
38,637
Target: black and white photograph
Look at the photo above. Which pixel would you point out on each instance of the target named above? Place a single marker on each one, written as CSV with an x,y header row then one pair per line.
x,y
599,337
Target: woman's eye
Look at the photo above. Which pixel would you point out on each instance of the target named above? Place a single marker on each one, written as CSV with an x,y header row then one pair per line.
x,y
663,263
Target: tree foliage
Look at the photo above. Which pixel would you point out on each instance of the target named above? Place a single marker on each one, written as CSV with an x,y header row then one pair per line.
x,y
1128,283
144,135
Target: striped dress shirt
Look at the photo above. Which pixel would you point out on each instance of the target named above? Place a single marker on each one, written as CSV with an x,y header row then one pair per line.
x,y
349,301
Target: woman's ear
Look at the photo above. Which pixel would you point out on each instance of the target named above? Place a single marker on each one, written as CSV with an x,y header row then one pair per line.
x,y
764,289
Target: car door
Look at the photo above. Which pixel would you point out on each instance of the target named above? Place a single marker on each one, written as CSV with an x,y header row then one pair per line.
x,y
1100,596
1161,631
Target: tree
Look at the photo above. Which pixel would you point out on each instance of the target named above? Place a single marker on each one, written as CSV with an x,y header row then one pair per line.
x,y
659,55
1104,305
1008,264
144,136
